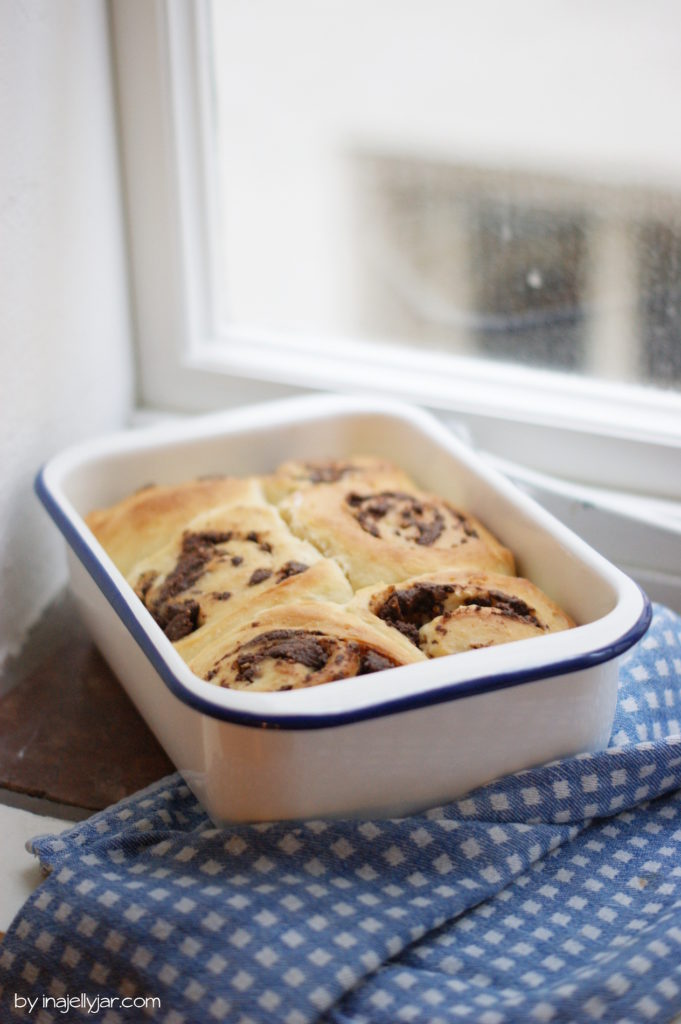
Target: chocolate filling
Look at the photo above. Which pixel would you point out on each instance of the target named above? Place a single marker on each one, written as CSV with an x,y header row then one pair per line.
x,y
178,620
145,583
462,521
293,645
197,550
509,605
314,650
327,472
421,521
372,661
259,576
290,569
411,608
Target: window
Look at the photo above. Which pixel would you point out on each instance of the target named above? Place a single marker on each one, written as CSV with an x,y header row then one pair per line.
x,y
473,206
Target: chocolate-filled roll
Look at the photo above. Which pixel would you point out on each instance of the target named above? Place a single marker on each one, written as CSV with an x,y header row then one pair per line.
x,y
322,581
387,535
147,520
300,645
216,563
324,570
447,613
366,470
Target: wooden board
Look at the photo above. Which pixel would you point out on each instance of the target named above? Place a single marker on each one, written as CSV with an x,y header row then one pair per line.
x,y
68,732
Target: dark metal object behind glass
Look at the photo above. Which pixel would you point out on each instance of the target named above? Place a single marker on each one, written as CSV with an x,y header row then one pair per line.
x,y
659,296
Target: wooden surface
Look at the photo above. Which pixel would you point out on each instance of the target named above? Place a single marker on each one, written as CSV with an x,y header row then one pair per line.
x,y
68,732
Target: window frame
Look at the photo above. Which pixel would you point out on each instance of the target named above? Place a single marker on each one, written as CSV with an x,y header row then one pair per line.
x,y
600,433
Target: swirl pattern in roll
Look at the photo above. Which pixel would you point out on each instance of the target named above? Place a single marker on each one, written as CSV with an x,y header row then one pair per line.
x,y
147,520
448,613
216,562
323,581
300,645
388,535
324,570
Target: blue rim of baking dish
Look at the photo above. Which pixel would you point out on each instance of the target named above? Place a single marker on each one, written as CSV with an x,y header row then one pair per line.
x,y
397,705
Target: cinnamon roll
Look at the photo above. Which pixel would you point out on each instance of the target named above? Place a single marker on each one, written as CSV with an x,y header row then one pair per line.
x,y
447,613
386,535
300,645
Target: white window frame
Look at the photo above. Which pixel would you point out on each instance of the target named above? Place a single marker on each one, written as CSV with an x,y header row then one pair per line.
x,y
615,440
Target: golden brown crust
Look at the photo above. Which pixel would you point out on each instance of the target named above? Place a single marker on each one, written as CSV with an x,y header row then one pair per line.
x,y
323,581
218,561
147,520
355,571
300,645
299,474
449,612
383,535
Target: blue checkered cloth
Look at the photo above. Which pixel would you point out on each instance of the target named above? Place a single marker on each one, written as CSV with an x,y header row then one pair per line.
x,y
550,895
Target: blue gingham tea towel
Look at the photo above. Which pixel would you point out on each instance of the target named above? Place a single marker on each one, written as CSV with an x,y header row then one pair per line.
x,y
550,895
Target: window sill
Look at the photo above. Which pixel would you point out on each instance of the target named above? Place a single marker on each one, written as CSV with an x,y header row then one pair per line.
x,y
600,434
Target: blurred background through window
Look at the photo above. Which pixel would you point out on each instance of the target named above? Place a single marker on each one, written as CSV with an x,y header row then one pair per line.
x,y
489,179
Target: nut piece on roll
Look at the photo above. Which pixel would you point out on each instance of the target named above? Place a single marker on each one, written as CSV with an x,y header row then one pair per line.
x,y
388,534
300,645
297,474
447,613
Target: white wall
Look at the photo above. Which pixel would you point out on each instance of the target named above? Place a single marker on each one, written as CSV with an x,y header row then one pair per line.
x,y
66,369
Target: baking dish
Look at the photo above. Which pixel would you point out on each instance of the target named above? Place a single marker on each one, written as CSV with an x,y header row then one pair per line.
x,y
384,745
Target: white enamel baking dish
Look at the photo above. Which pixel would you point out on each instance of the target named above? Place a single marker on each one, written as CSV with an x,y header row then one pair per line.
x,y
380,745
